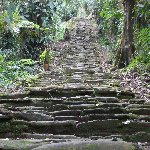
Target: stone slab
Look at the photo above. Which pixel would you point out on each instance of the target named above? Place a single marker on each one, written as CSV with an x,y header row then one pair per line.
x,y
88,145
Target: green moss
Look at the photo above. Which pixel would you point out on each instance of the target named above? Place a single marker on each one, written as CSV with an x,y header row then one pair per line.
x,y
14,127
5,127
139,137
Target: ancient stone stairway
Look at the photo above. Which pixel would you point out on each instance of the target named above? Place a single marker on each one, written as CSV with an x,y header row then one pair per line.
x,y
75,104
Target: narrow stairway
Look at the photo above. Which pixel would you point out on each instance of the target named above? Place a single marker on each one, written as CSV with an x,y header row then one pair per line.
x,y
75,102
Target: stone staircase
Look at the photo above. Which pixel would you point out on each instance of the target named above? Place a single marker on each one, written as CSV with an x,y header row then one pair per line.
x,y
75,105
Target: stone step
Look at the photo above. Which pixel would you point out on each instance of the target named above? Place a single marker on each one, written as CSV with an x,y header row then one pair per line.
x,y
17,100
137,101
32,116
78,112
66,113
89,98
139,111
29,102
135,137
4,118
53,127
88,106
49,136
99,81
72,70
38,144
145,105
25,108
66,102
144,118
142,137
113,92
13,96
71,91
104,99
90,145
99,127
92,117
104,111
75,89
64,118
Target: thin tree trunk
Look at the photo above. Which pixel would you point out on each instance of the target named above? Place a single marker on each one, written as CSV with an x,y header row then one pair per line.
x,y
126,49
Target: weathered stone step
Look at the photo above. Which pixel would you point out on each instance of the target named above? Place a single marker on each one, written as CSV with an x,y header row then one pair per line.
x,y
135,137
111,126
90,145
103,75
13,96
104,111
53,100
137,101
81,106
68,86
113,91
32,116
142,137
50,80
88,98
144,118
66,113
49,136
98,117
54,82
17,100
134,101
66,102
79,112
97,81
34,144
53,127
5,117
139,111
73,70
145,105
24,108
31,102
75,89
70,91
64,118
88,106
110,116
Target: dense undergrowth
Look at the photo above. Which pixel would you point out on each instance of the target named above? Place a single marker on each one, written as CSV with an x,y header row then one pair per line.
x,y
110,19
15,75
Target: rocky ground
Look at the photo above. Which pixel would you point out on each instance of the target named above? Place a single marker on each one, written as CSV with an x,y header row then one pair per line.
x,y
135,79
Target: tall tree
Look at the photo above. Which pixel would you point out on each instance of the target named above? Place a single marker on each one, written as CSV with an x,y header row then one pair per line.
x,y
126,49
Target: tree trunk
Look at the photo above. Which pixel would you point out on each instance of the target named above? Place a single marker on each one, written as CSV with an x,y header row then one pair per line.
x,y
126,49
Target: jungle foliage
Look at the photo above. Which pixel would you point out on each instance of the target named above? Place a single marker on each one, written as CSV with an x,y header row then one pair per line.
x,y
110,16
26,28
